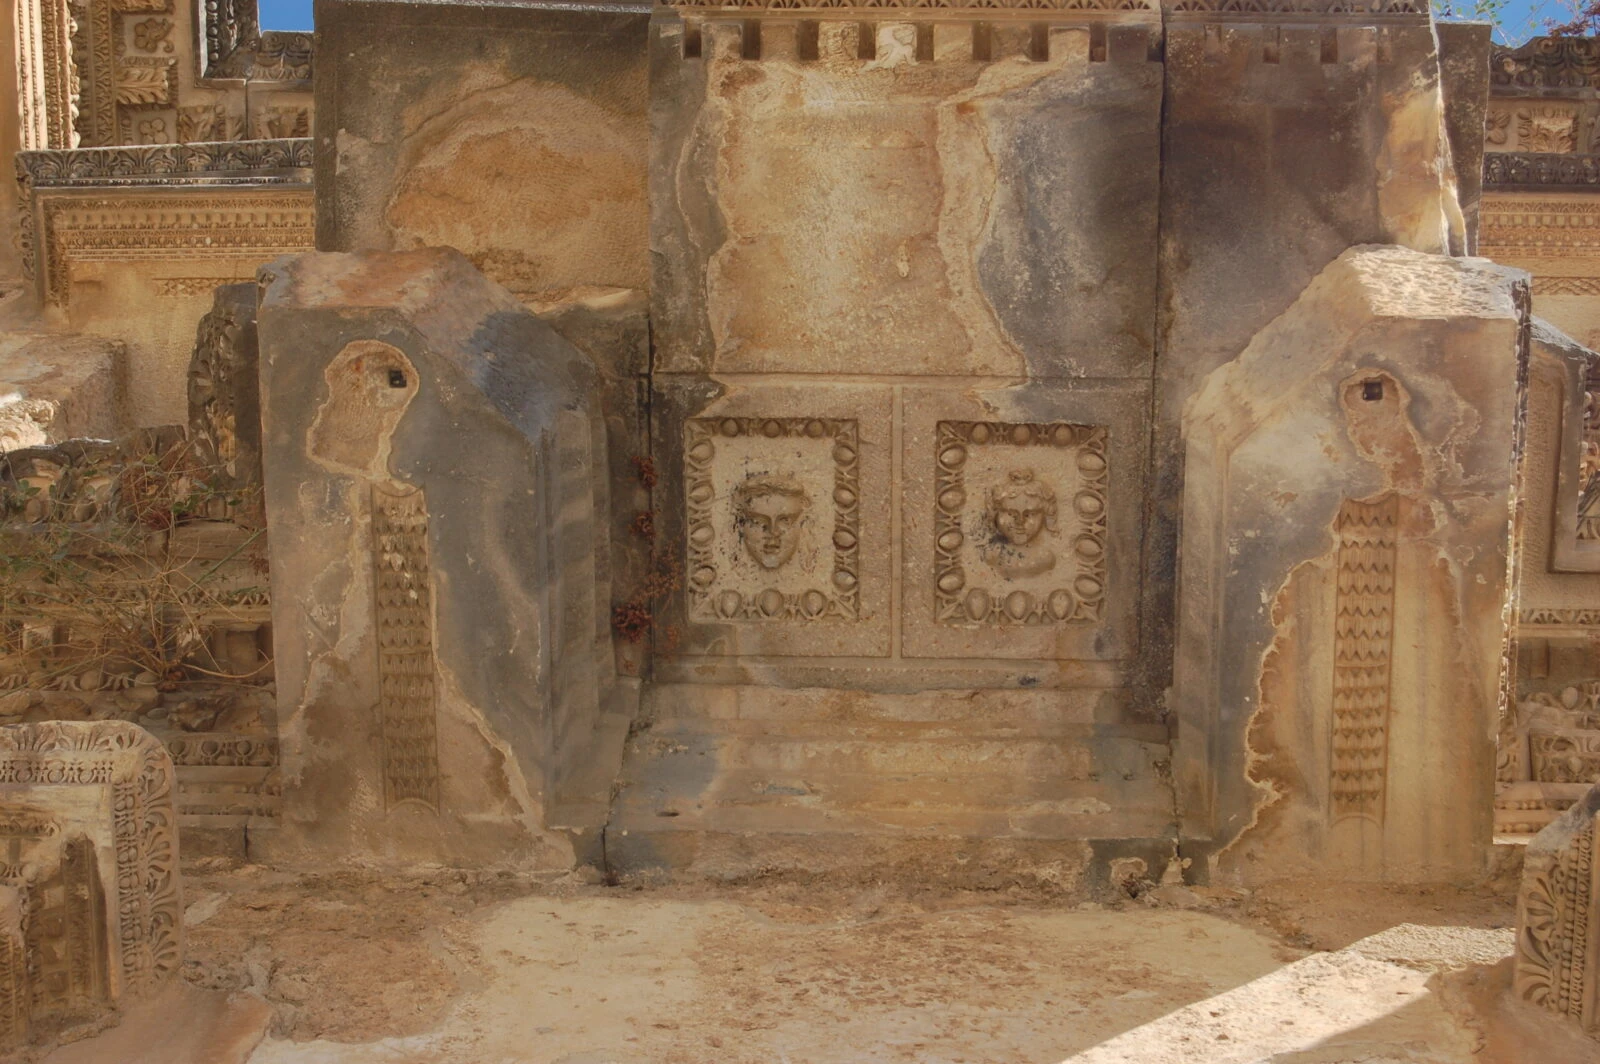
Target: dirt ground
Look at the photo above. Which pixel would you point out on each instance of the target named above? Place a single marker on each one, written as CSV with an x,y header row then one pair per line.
x,y
483,969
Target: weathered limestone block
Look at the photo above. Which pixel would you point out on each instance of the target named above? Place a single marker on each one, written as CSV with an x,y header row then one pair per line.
x,y
224,390
1345,575
54,388
92,915
1285,142
1558,919
938,215
441,579
513,133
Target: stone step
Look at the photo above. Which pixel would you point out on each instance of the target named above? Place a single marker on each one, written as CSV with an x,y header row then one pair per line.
x,y
1039,712
913,730
1037,820
1091,755
743,787
843,853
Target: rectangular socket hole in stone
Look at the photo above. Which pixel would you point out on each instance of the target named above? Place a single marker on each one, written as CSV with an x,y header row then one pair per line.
x,y
1330,44
924,42
982,42
1097,42
1039,42
750,39
1372,391
806,36
397,378
866,41
1272,45
691,40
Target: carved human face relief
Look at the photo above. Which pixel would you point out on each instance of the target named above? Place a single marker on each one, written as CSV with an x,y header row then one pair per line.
x,y
1020,523
1020,509
772,518
768,512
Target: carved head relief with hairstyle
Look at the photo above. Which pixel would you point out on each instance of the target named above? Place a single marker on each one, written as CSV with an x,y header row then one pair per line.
x,y
1018,509
370,384
769,512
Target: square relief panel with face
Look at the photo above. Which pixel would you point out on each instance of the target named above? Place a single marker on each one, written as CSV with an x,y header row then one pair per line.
x,y
1019,523
773,518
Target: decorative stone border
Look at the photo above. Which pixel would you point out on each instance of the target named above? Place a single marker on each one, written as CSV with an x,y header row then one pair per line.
x,y
842,599
138,772
956,601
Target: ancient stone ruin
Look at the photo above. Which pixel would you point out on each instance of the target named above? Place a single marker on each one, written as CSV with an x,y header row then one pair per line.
x,y
1109,454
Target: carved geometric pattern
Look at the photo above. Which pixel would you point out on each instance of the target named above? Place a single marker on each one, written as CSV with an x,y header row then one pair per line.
x,y
1555,922
984,573
138,772
404,588
1566,286
1544,617
1362,650
727,584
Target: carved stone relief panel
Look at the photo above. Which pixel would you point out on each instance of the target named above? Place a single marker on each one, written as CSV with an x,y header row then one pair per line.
x,y
1576,535
1532,126
101,890
1020,523
1558,929
780,524
1362,649
1020,531
774,518
404,590
1547,128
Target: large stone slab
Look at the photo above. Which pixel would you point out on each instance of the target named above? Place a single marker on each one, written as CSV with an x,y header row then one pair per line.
x,y
434,470
1345,575
514,133
889,207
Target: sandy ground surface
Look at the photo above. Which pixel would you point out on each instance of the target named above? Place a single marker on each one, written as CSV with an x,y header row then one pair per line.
x,y
475,969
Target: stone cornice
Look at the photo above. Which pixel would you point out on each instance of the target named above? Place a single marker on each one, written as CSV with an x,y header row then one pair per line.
x,y
1562,64
1179,10
243,162
1540,171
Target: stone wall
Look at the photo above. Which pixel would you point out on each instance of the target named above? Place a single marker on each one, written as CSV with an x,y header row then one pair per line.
x,y
513,134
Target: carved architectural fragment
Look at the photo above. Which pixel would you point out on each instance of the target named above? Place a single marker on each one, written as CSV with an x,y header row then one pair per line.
x,y
403,586
773,518
90,845
1019,523
1363,647
1558,927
